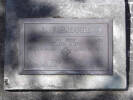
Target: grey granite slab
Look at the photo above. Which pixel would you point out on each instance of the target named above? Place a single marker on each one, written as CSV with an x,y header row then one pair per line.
x,y
18,9
48,46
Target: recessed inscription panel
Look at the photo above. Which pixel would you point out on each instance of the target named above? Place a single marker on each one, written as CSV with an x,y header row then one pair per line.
x,y
66,46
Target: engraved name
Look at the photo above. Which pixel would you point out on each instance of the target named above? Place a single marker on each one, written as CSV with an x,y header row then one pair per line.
x,y
68,28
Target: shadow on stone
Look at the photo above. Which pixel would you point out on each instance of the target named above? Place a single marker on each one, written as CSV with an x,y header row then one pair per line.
x,y
128,31
81,1
28,9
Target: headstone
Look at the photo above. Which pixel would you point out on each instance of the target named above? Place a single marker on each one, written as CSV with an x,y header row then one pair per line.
x,y
65,45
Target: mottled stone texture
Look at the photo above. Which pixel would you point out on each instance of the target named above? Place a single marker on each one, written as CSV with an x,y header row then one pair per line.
x,y
64,95
17,10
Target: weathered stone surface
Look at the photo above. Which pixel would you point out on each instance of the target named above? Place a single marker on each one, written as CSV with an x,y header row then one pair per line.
x,y
67,9
48,46
62,95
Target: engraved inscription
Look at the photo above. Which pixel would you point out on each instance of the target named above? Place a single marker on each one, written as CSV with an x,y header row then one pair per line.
x,y
66,48
59,53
